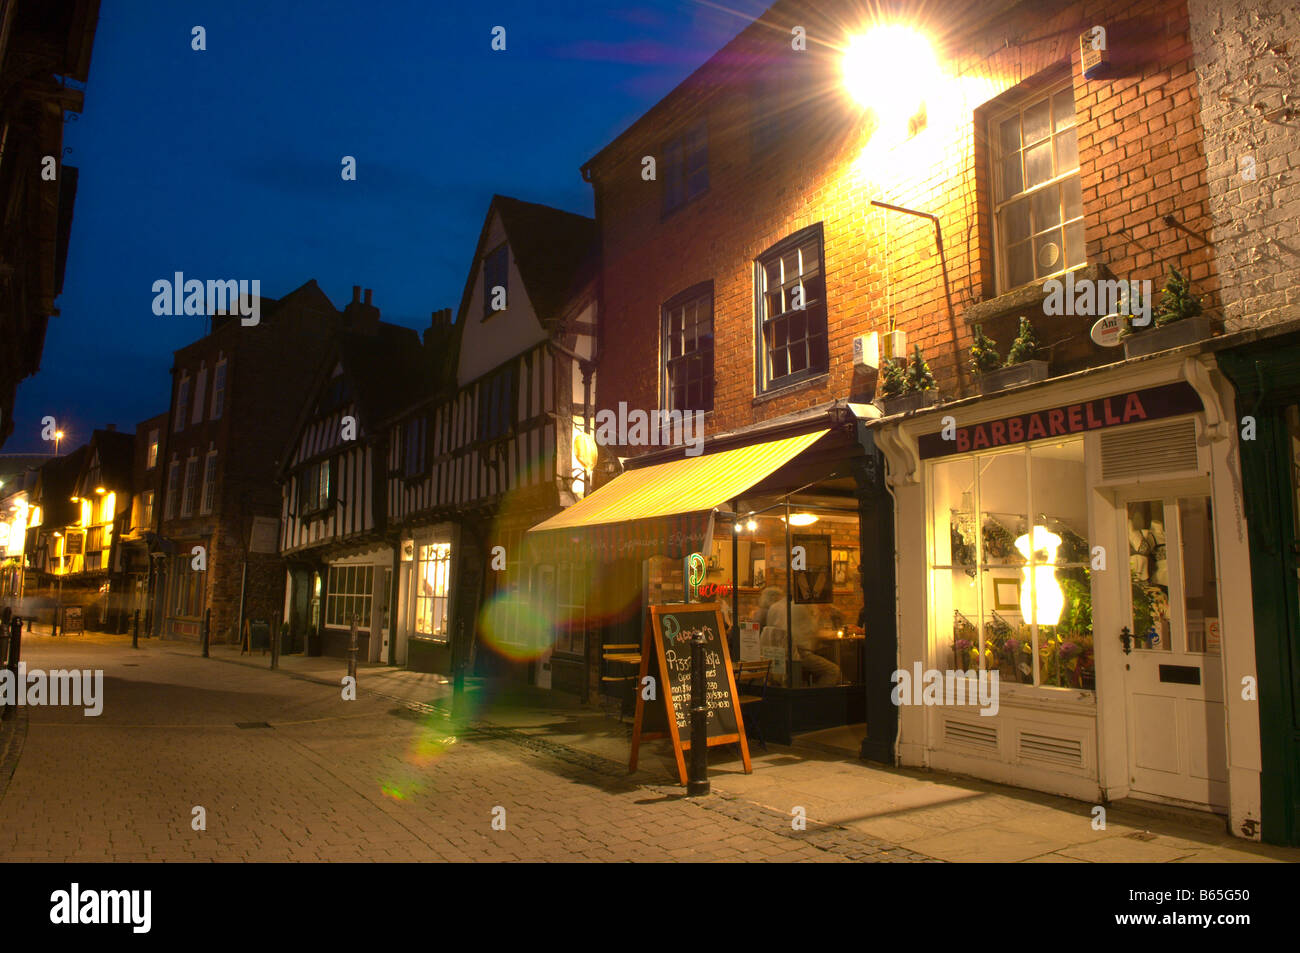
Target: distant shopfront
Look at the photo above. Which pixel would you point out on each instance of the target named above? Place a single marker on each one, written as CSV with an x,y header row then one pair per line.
x,y
1081,539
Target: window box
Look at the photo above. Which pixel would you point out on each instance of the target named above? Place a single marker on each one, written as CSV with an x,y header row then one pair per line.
x,y
1176,334
904,403
1026,372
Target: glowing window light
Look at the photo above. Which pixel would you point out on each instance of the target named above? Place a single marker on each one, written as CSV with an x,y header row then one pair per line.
x,y
1040,590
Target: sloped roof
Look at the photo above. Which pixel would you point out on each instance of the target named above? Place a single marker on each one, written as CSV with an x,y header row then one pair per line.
x,y
386,369
116,456
550,248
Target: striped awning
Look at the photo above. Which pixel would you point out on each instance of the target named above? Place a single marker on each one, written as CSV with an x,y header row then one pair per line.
x,y
660,510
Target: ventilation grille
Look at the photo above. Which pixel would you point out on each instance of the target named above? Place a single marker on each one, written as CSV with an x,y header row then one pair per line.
x,y
1168,448
1036,747
965,733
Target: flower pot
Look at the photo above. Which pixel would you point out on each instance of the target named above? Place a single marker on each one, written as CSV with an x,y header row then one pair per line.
x,y
1026,372
1177,334
908,402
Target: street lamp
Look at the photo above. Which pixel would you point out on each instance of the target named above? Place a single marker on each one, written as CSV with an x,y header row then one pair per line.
x,y
58,435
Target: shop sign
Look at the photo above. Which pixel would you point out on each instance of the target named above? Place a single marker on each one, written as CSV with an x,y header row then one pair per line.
x,y
1105,332
1151,403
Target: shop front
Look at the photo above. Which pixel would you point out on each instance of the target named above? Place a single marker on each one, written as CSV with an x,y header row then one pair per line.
x,y
774,516
356,587
424,598
1074,589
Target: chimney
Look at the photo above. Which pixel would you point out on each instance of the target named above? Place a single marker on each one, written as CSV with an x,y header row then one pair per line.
x,y
439,325
360,316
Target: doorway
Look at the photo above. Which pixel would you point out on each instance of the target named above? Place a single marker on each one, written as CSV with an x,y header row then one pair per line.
x,y
1174,694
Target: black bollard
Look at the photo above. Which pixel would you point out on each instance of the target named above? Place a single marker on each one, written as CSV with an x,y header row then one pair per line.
x,y
206,625
697,782
352,652
135,631
15,653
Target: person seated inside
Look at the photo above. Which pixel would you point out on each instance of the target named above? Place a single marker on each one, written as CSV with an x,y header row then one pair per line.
x,y
804,626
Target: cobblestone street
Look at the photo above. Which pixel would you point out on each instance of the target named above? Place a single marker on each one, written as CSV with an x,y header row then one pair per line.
x,y
284,769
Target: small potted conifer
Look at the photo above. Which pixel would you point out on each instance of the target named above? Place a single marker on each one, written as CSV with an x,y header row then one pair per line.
x,y
1020,368
909,386
1179,320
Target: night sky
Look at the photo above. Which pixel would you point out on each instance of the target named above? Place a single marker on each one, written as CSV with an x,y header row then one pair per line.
x,y
226,163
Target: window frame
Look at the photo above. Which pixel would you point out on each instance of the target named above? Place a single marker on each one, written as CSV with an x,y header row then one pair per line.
x,y
312,506
1033,92
682,299
218,390
182,403
151,455
684,157
188,499
819,311
208,495
488,393
172,504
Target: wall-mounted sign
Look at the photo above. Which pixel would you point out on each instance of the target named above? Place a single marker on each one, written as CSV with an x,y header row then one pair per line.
x,y
1105,332
73,544
1151,403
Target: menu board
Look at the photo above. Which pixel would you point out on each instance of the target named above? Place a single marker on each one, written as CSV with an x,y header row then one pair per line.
x,y
666,658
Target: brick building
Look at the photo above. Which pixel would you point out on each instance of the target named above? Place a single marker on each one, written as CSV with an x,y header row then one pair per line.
x,y
141,551
820,198
235,395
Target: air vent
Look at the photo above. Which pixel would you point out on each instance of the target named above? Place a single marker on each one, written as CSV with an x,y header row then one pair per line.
x,y
1036,747
965,733
1168,448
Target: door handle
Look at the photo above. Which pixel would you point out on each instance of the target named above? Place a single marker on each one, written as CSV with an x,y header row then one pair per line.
x,y
1126,637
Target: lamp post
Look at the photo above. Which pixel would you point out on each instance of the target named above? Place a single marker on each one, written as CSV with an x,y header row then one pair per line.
x,y
58,436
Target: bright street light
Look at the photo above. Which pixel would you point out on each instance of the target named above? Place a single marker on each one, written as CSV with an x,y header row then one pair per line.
x,y
891,70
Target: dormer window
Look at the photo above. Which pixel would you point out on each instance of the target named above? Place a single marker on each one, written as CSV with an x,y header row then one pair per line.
x,y
496,280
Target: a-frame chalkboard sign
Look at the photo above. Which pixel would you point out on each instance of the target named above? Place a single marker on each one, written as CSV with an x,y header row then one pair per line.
x,y
666,648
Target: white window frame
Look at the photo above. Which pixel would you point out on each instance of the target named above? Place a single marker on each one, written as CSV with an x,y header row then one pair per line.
x,y
1001,257
190,493
208,495
182,403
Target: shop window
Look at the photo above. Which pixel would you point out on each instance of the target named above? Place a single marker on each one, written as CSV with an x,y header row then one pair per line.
x,y
349,592
791,308
433,591
1038,198
808,630
1010,565
688,350
570,601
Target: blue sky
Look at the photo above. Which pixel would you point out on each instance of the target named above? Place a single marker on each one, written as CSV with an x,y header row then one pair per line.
x,y
225,163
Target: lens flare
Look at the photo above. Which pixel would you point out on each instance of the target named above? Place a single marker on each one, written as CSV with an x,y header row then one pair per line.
x,y
890,69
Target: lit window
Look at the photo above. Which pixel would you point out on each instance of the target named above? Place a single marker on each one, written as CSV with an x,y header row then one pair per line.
x,y
1038,199
433,591
688,350
153,450
791,303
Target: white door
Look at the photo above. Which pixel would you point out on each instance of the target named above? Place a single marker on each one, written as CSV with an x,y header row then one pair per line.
x,y
1177,743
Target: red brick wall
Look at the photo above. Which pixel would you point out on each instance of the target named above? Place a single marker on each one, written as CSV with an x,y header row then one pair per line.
x,y
1141,158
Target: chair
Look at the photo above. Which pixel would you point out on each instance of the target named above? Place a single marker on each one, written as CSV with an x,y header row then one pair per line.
x,y
619,654
751,684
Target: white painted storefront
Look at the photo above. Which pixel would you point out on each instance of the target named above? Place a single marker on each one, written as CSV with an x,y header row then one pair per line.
x,y
1128,497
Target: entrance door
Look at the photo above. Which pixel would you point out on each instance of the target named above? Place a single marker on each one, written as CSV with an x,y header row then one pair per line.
x,y
1177,743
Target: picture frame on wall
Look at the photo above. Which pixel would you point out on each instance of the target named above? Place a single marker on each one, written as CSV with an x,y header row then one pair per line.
x,y
1006,594
841,573
812,584
756,567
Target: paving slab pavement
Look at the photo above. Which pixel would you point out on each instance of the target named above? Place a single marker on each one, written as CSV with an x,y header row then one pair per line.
x,y
525,742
